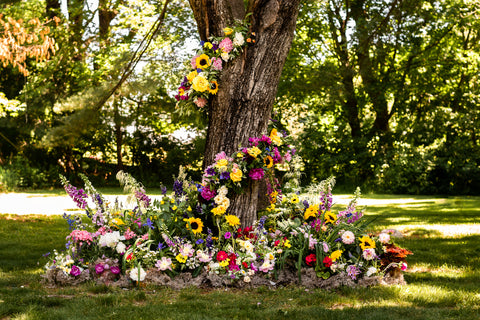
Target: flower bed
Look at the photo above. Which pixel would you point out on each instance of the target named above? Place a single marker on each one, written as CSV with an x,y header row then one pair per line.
x,y
190,236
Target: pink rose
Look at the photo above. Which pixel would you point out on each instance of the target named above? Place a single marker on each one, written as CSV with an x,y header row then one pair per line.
x,y
226,45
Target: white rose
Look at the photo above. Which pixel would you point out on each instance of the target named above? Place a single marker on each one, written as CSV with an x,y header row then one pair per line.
x,y
370,271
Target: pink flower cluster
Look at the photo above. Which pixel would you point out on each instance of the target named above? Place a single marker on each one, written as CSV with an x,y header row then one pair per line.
x,y
79,236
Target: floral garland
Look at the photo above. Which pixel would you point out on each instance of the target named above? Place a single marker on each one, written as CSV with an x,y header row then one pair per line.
x,y
171,235
202,80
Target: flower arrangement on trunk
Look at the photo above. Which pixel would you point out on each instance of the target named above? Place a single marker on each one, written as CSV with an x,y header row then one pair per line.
x,y
192,229
201,81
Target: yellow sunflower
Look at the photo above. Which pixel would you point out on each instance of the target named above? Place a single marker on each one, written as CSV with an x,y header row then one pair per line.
x,y
268,161
195,223
330,217
367,243
203,61
311,212
213,87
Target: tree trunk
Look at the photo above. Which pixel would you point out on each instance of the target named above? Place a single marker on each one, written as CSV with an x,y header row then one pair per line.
x,y
248,85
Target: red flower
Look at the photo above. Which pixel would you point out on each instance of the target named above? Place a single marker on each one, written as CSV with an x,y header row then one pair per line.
x,y
245,265
277,242
311,259
222,255
130,256
327,262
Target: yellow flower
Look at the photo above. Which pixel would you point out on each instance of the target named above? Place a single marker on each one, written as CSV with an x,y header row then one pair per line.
x,y
287,244
203,61
224,263
181,258
294,199
275,138
189,209
366,243
195,223
118,222
174,208
330,217
213,87
336,254
208,45
232,220
227,31
200,84
311,212
254,151
236,174
192,75
218,211
268,161
221,163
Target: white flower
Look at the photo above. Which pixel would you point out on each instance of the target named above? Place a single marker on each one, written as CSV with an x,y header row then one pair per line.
x,y
121,247
109,239
138,274
384,238
371,271
239,40
348,237
246,279
203,256
223,191
225,56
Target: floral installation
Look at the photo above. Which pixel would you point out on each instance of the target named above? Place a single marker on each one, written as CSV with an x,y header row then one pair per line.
x,y
201,80
192,229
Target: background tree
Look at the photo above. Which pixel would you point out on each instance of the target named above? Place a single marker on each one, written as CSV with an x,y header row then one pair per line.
x,y
248,85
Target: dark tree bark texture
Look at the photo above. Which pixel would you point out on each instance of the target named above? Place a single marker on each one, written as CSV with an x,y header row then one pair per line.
x,y
248,84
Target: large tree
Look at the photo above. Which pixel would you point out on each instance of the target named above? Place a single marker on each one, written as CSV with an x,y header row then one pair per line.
x,y
248,85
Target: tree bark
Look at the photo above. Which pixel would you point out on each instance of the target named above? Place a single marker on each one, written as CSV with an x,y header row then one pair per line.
x,y
248,85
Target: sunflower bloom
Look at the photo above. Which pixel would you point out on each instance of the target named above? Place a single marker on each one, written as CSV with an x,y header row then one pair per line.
x,y
311,212
330,217
195,223
213,87
366,243
203,61
268,161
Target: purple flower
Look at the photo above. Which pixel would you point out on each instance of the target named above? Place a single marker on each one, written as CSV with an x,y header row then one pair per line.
x,y
178,189
227,235
256,174
164,190
161,246
207,193
210,171
149,224
225,175
199,241
99,268
353,271
266,139
78,195
75,271
115,269
142,197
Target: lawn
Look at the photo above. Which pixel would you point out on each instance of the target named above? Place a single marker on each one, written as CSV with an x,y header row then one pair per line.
x,y
443,276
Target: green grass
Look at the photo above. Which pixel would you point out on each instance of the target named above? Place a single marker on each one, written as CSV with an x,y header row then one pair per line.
x,y
443,277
